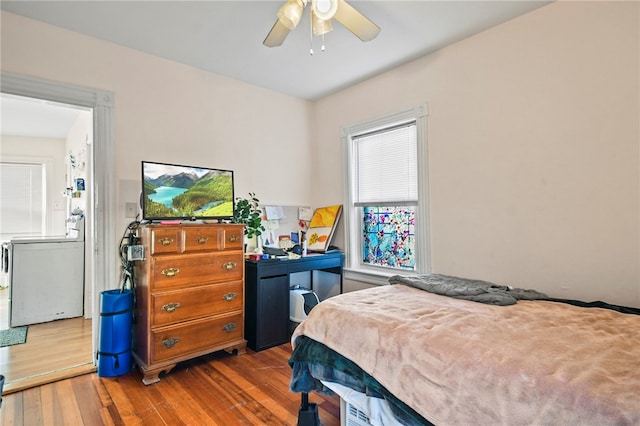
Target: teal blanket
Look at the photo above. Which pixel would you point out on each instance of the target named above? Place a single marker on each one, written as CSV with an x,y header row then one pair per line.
x,y
312,362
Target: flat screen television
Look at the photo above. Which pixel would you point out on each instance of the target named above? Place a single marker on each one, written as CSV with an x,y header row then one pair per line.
x,y
175,192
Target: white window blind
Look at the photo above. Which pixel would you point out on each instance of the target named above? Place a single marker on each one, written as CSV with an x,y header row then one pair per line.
x,y
387,170
22,202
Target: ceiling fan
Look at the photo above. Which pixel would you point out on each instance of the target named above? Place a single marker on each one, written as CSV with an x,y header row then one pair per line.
x,y
322,12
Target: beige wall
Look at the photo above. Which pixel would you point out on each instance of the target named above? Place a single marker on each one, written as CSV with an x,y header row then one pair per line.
x,y
164,111
533,138
168,112
533,149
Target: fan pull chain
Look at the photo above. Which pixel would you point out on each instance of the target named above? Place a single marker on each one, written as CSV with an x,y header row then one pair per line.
x,y
311,33
311,36
311,45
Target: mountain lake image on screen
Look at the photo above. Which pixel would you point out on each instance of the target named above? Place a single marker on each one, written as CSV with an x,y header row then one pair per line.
x,y
175,192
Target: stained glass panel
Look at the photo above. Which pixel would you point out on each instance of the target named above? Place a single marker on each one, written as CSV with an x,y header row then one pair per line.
x,y
389,236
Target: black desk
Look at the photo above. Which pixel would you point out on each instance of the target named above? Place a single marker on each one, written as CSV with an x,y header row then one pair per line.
x,y
267,285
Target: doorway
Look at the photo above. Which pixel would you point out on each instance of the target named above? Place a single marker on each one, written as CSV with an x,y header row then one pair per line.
x,y
45,183
100,232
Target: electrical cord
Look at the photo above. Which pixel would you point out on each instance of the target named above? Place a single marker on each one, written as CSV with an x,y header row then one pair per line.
x,y
129,238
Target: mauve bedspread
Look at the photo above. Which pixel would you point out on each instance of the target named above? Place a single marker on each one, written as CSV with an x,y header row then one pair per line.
x,y
458,362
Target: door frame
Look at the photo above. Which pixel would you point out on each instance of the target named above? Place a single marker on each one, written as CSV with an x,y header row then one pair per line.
x,y
102,226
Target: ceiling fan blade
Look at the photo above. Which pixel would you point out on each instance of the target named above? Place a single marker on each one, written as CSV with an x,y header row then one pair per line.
x,y
356,22
277,35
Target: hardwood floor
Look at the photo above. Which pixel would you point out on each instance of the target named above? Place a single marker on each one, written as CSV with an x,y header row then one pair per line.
x,y
217,389
54,350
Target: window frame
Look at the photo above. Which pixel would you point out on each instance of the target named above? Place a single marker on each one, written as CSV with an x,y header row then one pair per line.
x,y
354,269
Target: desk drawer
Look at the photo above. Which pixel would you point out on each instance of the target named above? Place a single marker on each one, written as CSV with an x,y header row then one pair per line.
x,y
193,336
181,305
273,268
198,268
317,262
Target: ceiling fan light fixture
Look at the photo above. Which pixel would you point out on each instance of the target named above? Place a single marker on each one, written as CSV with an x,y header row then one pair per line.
x,y
322,14
320,26
290,13
324,9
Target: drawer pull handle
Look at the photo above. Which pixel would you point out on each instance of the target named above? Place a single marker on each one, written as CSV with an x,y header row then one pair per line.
x,y
170,272
202,240
230,296
166,241
229,265
170,342
170,307
229,327
234,238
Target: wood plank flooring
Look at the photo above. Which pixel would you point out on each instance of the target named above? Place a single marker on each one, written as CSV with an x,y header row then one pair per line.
x,y
217,389
54,350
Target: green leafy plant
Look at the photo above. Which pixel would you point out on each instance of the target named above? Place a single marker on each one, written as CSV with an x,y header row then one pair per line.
x,y
247,212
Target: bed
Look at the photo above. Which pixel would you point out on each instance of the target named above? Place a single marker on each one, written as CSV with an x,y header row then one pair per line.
x,y
418,357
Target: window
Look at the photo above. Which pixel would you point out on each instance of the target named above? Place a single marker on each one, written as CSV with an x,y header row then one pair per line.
x,y
386,208
22,206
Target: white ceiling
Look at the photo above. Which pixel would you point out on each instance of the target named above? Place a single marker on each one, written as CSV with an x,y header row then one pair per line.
x,y
20,116
225,37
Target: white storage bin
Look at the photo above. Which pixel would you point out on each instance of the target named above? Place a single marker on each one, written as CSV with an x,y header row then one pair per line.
x,y
301,301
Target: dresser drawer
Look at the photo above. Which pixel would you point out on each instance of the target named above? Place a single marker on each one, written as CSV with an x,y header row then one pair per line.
x,y
203,238
192,336
232,237
196,268
181,305
166,240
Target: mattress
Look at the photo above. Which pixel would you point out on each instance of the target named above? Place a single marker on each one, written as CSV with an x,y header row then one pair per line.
x,y
461,362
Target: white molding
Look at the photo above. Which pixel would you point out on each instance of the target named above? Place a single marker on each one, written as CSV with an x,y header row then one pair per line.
x,y
423,227
385,121
366,277
103,232
420,114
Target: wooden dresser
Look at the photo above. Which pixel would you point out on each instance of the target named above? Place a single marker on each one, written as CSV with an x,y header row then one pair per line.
x,y
189,294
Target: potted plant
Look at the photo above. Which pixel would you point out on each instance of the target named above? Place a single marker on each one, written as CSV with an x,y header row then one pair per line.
x,y
247,212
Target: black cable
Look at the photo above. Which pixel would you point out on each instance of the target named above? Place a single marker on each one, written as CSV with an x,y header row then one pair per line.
x,y
127,265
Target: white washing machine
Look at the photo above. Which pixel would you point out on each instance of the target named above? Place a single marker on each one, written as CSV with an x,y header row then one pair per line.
x,y
47,277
